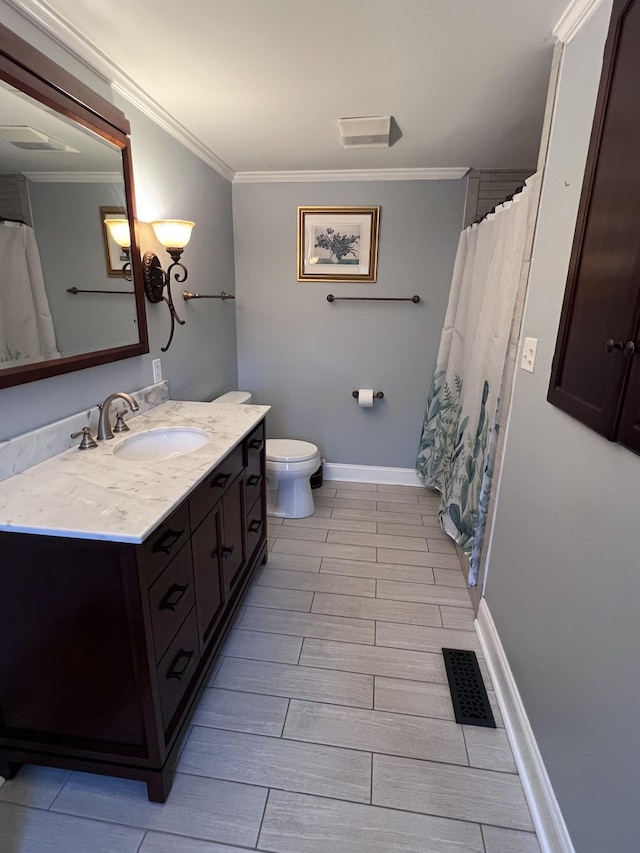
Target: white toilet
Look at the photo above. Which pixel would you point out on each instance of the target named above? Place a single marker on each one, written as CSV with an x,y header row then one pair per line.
x,y
290,464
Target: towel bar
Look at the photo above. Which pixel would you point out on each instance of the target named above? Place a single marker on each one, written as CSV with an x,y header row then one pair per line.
x,y
187,294
415,299
76,290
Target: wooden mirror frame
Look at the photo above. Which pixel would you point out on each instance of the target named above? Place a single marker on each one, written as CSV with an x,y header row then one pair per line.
x,y
27,69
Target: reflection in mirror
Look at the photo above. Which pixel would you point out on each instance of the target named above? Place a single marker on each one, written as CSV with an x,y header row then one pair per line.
x,y
58,180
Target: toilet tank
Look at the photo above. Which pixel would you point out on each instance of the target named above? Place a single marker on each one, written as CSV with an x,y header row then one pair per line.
x,y
238,397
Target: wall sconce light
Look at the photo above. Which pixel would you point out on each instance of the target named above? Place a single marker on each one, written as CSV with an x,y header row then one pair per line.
x,y
119,230
174,234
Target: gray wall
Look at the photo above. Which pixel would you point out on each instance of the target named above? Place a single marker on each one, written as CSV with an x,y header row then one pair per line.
x,y
563,583
171,182
305,356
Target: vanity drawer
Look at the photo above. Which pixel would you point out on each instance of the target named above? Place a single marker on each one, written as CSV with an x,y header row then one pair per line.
x,y
170,599
254,444
177,667
253,486
212,489
165,542
255,526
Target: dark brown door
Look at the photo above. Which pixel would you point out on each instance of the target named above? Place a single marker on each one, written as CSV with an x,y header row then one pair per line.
x,y
602,303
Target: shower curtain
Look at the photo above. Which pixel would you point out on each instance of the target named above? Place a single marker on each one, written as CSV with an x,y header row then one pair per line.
x,y
26,327
457,446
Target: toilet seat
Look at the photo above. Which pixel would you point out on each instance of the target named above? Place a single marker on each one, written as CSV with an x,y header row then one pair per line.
x,y
289,450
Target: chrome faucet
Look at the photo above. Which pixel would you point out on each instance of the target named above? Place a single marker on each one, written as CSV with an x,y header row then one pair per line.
x,y
104,423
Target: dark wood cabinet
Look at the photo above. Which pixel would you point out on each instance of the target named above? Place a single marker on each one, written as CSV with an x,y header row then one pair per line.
x,y
106,646
596,369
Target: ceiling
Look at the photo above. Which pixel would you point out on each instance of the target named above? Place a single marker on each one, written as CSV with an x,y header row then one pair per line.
x,y
262,83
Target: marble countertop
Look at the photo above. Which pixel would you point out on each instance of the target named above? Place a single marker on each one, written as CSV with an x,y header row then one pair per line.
x,y
94,494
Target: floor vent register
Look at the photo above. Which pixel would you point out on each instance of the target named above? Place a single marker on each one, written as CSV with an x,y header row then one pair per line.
x,y
468,693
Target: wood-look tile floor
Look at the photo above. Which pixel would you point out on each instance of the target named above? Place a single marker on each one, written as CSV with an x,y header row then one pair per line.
x,y
327,725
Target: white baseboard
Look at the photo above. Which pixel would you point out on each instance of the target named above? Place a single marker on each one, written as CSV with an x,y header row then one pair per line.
x,y
371,474
545,812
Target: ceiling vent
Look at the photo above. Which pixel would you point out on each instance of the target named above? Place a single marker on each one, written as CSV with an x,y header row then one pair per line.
x,y
28,138
365,131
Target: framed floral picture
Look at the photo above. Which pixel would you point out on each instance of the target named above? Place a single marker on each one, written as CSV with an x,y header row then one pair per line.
x,y
338,243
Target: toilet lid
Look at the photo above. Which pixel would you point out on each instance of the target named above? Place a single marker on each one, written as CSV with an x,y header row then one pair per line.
x,y
289,450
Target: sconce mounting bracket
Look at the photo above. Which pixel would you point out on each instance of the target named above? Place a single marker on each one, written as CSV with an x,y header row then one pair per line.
x,y
154,277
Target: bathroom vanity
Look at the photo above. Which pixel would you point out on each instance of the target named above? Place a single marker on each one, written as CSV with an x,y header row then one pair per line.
x,y
120,580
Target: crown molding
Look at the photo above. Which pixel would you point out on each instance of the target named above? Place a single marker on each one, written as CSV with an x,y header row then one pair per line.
x,y
74,177
53,25
444,174
574,17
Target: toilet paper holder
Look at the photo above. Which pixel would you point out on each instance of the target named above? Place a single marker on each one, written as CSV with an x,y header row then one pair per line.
x,y
377,396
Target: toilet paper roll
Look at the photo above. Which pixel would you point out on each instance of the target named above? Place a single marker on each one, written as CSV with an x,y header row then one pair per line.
x,y
365,398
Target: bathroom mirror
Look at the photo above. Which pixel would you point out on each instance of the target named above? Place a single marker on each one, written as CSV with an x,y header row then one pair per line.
x,y
65,165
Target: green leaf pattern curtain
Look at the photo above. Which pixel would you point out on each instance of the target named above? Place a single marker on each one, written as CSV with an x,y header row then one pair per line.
x,y
456,450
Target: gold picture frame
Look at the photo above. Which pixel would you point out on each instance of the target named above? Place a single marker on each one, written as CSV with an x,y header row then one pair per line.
x,y
338,243
114,256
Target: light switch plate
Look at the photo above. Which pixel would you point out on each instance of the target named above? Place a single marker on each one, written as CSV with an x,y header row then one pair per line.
x,y
529,351
157,370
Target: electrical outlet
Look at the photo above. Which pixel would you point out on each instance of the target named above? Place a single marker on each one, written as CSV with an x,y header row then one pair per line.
x,y
529,351
157,370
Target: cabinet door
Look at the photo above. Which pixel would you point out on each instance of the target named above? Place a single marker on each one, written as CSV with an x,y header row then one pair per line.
x,y
602,302
205,544
232,546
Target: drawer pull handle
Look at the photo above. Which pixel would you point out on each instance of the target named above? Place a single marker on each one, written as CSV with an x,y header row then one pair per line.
x,y
255,525
227,552
255,444
166,543
253,480
182,657
220,481
173,597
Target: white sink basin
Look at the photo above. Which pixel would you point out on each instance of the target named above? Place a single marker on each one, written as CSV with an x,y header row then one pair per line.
x,y
164,443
